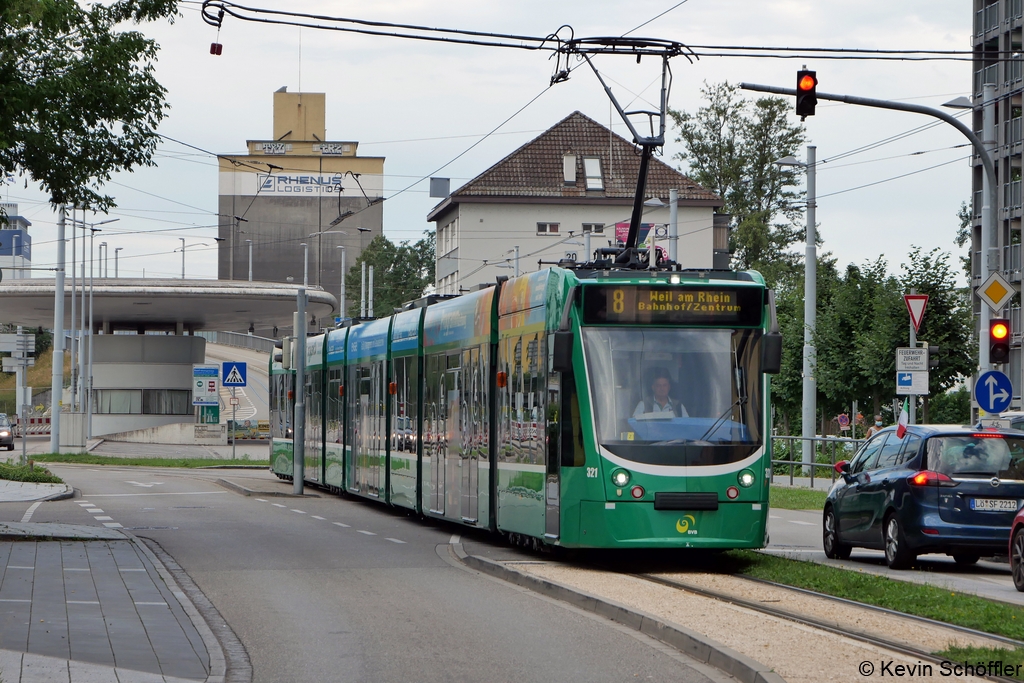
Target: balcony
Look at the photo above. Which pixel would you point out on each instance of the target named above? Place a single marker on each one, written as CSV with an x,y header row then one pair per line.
x,y
1016,9
976,206
1015,331
987,75
1011,195
976,265
1013,71
986,19
1012,131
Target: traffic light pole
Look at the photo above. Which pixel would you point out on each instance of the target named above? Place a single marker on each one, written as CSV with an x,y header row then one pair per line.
x,y
989,201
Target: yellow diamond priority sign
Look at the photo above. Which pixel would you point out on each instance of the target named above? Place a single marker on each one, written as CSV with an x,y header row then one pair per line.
x,y
996,291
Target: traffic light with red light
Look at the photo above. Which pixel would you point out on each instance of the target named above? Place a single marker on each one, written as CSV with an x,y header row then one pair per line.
x,y
806,93
999,340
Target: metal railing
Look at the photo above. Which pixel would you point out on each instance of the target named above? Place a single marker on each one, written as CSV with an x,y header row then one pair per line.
x,y
1016,9
1011,258
1012,128
1011,195
989,74
986,19
787,454
1015,323
1012,71
977,204
242,341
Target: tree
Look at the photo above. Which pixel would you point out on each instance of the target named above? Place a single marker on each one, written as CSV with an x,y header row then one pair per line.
x,y
401,272
951,408
78,99
963,236
731,147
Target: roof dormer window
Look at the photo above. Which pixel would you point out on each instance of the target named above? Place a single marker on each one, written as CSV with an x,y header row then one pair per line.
x,y
592,171
569,168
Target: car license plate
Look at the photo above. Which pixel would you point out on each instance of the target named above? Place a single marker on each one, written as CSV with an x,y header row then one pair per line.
x,y
999,504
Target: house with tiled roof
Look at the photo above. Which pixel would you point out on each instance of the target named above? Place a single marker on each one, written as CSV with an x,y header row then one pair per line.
x,y
577,177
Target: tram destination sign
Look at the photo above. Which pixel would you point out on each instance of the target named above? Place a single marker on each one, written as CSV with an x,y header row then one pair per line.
x,y
672,305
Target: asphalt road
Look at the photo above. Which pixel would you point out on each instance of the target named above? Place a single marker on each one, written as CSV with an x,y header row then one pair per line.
x,y
797,533
331,589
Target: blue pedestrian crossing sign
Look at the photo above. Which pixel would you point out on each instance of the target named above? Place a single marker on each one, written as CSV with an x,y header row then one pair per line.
x,y
993,392
233,374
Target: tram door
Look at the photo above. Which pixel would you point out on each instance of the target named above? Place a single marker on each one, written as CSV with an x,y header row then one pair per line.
x,y
553,460
472,429
439,407
454,431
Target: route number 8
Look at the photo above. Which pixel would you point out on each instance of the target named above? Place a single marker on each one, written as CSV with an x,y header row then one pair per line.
x,y
618,301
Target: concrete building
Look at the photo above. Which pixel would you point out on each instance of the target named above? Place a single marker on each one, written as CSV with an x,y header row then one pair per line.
x,y
997,41
296,184
577,177
15,244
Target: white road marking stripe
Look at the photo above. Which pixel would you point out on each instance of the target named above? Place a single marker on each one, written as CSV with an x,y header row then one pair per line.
x,y
13,600
151,603
454,539
774,517
340,524
262,500
83,602
76,569
87,505
11,566
299,511
278,505
368,533
32,508
394,540
157,493
131,569
797,521
102,518
112,525
95,511
317,517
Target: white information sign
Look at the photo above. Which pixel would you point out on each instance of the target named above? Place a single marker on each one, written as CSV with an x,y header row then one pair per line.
x,y
912,383
206,385
911,360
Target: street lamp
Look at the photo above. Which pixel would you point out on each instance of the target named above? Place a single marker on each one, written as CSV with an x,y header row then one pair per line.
x,y
183,245
810,305
88,395
305,264
344,311
115,261
103,249
249,242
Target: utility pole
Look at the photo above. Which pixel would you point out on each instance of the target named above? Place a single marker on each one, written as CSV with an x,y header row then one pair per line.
x,y
673,225
369,296
57,376
299,442
344,306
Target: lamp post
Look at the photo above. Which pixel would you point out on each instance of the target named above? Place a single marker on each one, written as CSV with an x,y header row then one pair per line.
x,y
88,396
810,306
249,242
305,264
103,260
115,261
183,246
344,307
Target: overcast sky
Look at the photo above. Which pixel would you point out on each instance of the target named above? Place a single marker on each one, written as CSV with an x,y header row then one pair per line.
x,y
422,104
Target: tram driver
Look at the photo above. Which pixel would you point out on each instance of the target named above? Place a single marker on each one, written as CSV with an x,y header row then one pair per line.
x,y
660,405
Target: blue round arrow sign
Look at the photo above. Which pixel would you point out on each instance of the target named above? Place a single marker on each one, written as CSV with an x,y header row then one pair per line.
x,y
993,392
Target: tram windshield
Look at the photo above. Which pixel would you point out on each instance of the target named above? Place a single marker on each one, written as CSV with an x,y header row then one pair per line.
x,y
675,396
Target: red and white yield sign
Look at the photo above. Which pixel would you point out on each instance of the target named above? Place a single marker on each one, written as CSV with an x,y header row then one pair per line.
x,y
915,306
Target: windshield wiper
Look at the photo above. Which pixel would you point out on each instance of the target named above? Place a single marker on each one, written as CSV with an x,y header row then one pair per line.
x,y
721,418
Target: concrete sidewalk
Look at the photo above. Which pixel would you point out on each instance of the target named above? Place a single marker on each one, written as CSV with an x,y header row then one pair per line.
x,y
95,607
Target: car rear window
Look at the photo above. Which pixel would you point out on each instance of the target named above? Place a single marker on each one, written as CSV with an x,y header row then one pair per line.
x,y
976,455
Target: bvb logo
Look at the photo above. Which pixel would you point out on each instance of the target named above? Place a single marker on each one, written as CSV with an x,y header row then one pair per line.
x,y
683,525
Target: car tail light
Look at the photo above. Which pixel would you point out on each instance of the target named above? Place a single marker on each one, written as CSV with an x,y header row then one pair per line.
x,y
930,532
930,478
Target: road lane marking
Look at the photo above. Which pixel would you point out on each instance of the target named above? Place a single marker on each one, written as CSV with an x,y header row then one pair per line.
x,y
76,569
368,533
95,511
299,511
394,540
164,604
454,539
82,602
278,505
102,518
340,524
112,525
797,521
87,505
32,508
13,600
131,569
157,493
262,500
318,517
11,566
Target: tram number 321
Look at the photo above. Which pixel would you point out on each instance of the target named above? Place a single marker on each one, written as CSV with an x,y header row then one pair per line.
x,y
591,473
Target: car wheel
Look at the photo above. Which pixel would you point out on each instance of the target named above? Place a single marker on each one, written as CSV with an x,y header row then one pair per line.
x,y
897,554
11,447
834,548
1017,559
965,560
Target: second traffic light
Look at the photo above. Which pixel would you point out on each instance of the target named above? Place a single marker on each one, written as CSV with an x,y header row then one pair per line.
x,y
999,340
806,92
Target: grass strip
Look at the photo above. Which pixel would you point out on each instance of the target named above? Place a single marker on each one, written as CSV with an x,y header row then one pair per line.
x,y
796,499
933,602
90,459
1010,662
36,475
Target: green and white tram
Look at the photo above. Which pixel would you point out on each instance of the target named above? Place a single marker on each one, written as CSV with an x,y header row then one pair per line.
x,y
610,409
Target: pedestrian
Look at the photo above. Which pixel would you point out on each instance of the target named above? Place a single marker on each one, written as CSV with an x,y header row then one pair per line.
x,y
875,428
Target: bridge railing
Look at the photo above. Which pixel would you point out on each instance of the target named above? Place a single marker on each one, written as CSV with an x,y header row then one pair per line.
x,y
243,341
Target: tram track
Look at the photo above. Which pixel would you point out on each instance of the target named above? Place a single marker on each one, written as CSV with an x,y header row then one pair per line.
x,y
813,622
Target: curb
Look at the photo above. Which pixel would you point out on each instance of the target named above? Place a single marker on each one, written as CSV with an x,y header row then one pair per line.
x,y
229,661
238,488
70,493
688,642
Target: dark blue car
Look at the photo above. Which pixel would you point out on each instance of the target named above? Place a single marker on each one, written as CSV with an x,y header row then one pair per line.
x,y
939,489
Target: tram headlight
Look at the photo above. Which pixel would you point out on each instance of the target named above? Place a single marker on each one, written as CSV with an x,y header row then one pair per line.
x,y
620,478
746,479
